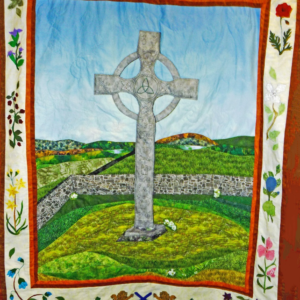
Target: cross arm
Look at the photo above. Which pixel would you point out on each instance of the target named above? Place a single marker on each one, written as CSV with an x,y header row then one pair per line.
x,y
182,88
111,84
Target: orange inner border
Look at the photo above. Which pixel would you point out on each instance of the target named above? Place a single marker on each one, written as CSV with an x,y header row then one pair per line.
x,y
264,5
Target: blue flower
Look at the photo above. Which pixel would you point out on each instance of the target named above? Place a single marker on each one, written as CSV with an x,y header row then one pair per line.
x,y
11,273
20,259
15,31
10,53
271,184
47,294
23,285
11,297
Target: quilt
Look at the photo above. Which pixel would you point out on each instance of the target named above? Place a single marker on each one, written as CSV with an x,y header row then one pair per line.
x,y
142,148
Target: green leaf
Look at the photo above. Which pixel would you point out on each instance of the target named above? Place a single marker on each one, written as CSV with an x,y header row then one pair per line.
x,y
273,135
268,110
272,73
12,144
44,298
18,84
18,138
20,3
277,169
274,194
270,117
259,283
265,176
97,298
263,239
13,59
13,93
12,44
278,181
8,97
269,287
263,271
32,299
260,275
12,5
269,208
281,109
20,62
11,111
18,132
265,191
275,147
269,278
18,12
11,252
275,41
271,174
15,38
60,298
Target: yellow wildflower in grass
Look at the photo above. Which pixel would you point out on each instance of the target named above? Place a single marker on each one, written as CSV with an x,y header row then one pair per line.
x,y
12,191
20,183
11,204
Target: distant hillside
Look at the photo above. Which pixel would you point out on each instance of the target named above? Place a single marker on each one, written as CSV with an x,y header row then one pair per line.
x,y
187,139
238,141
64,145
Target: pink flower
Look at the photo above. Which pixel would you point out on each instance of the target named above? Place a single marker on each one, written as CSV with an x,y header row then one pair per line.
x,y
271,272
265,251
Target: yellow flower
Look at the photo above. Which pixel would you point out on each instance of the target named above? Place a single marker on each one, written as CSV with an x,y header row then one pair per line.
x,y
17,172
11,205
20,183
12,191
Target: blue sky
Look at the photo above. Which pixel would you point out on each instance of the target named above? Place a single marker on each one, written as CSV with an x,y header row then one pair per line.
x,y
77,39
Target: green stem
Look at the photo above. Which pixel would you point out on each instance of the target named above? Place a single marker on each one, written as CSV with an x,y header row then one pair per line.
x,y
265,276
281,36
18,44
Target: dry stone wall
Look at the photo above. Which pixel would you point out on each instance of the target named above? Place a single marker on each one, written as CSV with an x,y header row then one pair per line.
x,y
124,184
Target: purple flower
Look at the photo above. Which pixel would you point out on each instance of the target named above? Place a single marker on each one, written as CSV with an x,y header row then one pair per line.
x,y
21,49
10,53
227,296
15,31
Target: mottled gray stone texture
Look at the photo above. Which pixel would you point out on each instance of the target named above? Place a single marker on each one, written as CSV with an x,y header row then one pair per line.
x,y
146,87
124,184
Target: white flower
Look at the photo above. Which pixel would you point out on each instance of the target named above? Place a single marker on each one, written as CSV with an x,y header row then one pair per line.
x,y
166,221
217,193
272,94
171,272
171,224
174,227
73,196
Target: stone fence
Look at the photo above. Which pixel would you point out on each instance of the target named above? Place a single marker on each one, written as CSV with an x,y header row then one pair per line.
x,y
124,184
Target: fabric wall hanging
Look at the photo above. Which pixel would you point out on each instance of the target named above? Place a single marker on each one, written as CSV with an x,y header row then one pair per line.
x,y
143,148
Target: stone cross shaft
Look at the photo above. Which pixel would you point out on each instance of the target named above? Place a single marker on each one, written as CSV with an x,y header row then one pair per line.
x,y
146,88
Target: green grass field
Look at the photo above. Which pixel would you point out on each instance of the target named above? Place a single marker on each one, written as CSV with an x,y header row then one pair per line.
x,y
238,141
55,173
210,237
204,161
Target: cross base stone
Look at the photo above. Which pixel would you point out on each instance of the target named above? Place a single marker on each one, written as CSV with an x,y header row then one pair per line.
x,y
142,235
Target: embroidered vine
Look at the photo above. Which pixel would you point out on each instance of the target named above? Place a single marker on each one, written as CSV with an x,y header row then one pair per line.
x,y
22,284
16,4
282,11
14,227
14,118
267,271
16,57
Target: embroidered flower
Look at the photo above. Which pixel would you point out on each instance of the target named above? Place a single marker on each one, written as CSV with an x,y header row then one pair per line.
x,y
20,183
23,285
21,49
11,273
227,296
20,259
73,196
11,297
217,193
9,53
271,272
272,94
265,251
48,294
15,31
11,204
283,10
12,191
271,184
171,272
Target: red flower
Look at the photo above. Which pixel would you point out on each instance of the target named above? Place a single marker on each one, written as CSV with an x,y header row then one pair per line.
x,y
16,106
283,10
10,121
10,131
9,103
15,98
20,121
17,95
9,117
22,111
19,144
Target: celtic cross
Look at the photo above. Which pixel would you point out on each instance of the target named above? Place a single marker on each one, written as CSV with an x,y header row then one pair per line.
x,y
146,88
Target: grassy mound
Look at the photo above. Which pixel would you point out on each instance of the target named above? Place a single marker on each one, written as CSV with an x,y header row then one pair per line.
x,y
204,161
197,233
238,141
